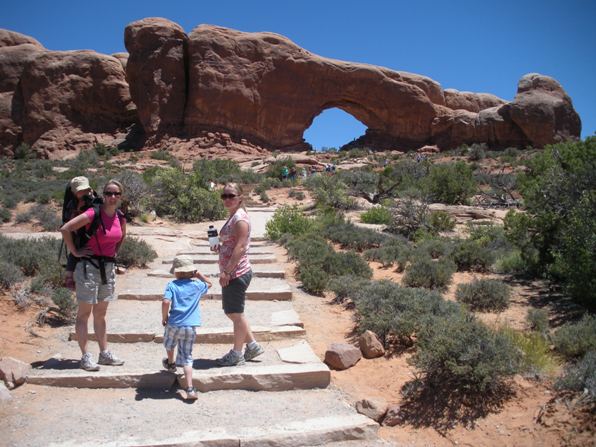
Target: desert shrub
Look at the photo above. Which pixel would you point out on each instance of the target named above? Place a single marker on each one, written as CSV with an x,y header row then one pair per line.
x,y
136,192
287,220
30,255
5,214
559,191
10,274
573,340
314,279
308,249
510,263
580,376
162,155
347,263
408,217
440,221
536,356
450,183
393,252
298,195
274,170
538,320
330,192
47,217
486,295
62,298
349,235
428,273
458,352
135,252
469,255
105,151
376,215
222,171
389,309
263,197
23,152
183,197
477,151
345,286
360,181
435,248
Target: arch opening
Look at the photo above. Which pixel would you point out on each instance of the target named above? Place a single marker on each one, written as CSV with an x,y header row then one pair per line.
x,y
333,128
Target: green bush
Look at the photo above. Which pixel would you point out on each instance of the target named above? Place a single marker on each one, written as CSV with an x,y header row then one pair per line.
x,y
287,220
314,279
10,274
275,168
63,299
469,255
451,183
574,340
408,217
298,195
510,263
5,215
330,192
393,252
428,273
580,376
538,320
389,309
346,286
440,221
377,215
347,263
435,248
536,357
559,191
263,197
308,249
349,235
23,152
457,352
485,295
32,256
477,151
135,252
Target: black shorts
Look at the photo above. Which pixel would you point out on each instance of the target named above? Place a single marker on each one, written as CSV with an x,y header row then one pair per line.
x,y
234,294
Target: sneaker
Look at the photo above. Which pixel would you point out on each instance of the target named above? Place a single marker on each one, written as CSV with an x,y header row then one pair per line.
x,y
170,367
230,359
250,354
191,393
87,363
107,358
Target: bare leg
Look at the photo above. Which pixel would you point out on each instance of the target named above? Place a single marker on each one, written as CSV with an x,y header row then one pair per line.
x,y
170,356
242,332
99,324
81,329
188,376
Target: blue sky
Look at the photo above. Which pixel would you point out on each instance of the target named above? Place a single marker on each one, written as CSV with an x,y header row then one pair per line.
x,y
471,45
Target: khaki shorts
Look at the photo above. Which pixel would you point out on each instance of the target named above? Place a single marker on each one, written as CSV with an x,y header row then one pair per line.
x,y
89,287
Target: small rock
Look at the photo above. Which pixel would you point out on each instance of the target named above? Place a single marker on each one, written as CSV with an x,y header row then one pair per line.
x,y
13,371
392,417
373,408
4,393
342,356
370,345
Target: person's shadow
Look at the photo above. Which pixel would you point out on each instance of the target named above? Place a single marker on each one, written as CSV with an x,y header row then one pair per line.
x,y
57,364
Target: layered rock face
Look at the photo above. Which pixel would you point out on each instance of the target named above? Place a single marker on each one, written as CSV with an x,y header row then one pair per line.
x,y
261,89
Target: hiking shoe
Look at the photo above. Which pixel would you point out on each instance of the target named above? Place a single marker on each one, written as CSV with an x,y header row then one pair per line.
x,y
170,367
107,358
87,363
250,354
191,393
230,359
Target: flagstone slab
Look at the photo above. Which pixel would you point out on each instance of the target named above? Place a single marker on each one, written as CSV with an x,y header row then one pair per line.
x,y
130,321
213,258
159,417
199,250
212,270
137,285
298,353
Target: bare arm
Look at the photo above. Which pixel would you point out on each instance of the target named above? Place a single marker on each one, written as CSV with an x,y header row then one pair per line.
x,y
203,278
165,311
71,226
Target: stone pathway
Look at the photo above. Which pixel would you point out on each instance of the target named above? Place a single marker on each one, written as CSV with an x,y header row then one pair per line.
x,y
281,398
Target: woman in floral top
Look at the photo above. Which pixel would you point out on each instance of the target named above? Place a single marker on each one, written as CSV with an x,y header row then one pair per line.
x,y
235,274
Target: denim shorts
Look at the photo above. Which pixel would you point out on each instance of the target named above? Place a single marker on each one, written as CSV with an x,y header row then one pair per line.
x,y
234,294
89,288
184,337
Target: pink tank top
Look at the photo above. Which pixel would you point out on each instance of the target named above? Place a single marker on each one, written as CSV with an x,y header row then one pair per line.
x,y
229,241
104,244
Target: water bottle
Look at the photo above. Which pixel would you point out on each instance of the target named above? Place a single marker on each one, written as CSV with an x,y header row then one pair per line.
x,y
212,235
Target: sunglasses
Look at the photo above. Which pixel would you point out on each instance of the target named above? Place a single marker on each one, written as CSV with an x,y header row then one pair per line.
x,y
228,196
112,194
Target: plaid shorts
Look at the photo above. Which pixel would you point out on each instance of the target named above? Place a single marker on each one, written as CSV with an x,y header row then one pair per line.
x,y
184,337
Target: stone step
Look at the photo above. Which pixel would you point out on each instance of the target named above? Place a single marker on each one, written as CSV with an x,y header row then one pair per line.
x,y
130,321
205,250
212,270
129,417
212,258
285,365
136,285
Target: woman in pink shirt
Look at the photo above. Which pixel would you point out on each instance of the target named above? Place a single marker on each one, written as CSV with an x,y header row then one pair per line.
x,y
95,272
235,275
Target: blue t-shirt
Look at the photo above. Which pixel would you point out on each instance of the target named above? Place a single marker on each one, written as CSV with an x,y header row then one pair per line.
x,y
185,295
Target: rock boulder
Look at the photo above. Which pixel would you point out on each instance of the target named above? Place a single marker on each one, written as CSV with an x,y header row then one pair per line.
x,y
342,356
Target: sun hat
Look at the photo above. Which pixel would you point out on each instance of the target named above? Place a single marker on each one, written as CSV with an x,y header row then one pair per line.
x,y
78,184
183,263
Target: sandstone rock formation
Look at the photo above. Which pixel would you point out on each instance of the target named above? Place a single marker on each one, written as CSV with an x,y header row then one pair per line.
x,y
258,89
342,356
156,71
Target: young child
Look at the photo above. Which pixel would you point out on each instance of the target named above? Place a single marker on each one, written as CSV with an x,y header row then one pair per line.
x,y
180,315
